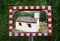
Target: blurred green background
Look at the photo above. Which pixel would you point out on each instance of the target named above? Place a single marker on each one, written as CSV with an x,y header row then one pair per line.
x,y
4,19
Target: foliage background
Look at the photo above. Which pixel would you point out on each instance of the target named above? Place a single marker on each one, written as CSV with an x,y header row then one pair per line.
x,y
4,19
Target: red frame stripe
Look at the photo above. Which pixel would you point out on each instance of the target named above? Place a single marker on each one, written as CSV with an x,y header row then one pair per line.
x,y
42,34
40,7
49,11
29,7
13,34
46,7
10,24
11,7
49,16
31,34
17,7
19,34
49,22
49,28
10,18
34,7
10,30
23,7
25,34
37,34
10,13
49,34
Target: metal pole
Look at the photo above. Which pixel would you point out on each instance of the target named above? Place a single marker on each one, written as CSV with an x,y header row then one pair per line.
x,y
30,38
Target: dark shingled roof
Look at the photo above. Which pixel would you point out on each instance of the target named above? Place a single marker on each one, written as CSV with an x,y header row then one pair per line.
x,y
26,19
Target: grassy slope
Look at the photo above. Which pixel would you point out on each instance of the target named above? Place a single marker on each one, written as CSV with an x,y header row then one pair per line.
x,y
4,14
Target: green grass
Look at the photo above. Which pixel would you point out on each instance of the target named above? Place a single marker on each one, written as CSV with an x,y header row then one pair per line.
x,y
4,19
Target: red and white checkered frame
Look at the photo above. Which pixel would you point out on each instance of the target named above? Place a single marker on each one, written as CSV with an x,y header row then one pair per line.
x,y
48,8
